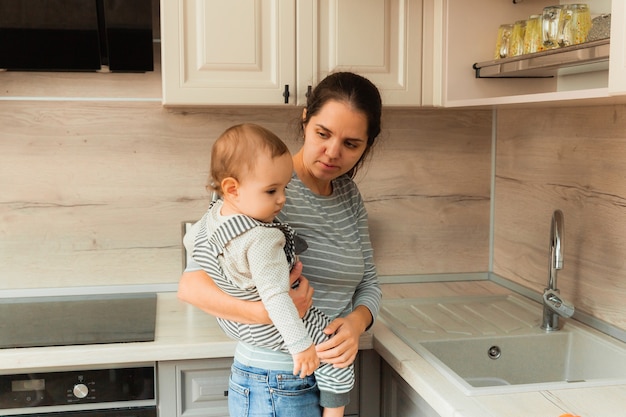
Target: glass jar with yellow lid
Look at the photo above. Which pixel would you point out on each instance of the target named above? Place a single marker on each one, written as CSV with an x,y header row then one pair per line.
x,y
533,41
575,24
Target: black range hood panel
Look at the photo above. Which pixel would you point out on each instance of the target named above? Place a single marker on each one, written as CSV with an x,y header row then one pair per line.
x,y
76,35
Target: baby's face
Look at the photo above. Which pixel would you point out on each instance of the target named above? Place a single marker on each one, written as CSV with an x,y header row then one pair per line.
x,y
262,190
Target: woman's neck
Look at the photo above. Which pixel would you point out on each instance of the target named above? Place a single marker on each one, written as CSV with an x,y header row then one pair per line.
x,y
324,188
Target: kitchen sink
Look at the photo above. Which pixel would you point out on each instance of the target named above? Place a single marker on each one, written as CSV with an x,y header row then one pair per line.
x,y
493,345
566,359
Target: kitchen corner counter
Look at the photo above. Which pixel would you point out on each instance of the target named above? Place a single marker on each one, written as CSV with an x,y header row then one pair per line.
x,y
449,401
184,332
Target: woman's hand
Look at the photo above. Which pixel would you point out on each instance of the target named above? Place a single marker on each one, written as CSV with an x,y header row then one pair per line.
x,y
302,294
341,349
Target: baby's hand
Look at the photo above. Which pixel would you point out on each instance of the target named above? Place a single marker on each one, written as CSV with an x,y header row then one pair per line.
x,y
305,362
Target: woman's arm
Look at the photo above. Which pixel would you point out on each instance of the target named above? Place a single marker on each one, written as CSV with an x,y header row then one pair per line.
x,y
341,349
199,290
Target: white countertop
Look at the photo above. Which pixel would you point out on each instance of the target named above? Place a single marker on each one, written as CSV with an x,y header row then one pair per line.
x,y
184,332
181,332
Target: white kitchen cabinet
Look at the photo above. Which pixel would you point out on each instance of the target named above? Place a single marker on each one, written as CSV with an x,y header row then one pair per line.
x,y
227,52
465,33
379,39
194,387
246,52
399,399
200,387
617,63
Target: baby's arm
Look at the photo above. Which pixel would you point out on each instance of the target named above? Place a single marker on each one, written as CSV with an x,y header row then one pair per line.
x,y
269,270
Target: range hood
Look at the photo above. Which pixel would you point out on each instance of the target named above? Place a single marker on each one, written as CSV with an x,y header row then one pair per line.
x,y
76,35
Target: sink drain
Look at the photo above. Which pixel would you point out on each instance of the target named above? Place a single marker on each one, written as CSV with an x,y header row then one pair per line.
x,y
494,352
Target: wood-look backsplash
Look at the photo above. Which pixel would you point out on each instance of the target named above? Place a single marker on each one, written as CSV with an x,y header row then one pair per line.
x,y
94,192
572,159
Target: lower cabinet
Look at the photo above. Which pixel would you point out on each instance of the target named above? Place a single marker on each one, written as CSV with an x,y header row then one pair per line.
x,y
365,397
399,399
199,387
194,387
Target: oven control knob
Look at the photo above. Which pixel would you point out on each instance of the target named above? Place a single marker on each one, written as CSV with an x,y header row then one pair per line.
x,y
80,390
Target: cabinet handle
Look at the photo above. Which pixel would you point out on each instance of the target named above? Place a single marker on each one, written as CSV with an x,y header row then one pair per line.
x,y
308,91
286,93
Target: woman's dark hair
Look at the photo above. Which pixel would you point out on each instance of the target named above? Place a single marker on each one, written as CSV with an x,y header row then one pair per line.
x,y
356,91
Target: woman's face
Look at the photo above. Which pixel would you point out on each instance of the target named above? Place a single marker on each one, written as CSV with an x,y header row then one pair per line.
x,y
334,140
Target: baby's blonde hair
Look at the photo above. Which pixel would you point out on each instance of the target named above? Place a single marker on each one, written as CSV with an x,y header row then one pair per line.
x,y
236,151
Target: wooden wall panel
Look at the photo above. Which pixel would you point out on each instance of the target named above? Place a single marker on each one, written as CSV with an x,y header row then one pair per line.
x,y
93,192
572,159
427,190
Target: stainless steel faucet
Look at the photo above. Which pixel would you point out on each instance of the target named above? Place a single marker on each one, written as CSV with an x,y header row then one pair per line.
x,y
553,305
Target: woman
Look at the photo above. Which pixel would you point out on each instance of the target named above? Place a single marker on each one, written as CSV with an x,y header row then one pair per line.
x,y
339,125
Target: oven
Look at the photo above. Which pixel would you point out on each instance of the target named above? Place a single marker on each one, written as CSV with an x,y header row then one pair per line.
x,y
111,390
127,391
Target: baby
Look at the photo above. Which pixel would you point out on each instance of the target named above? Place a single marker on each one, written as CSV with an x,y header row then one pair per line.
x,y
249,254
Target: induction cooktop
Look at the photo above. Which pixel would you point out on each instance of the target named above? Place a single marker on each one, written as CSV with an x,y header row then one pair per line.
x,y
77,320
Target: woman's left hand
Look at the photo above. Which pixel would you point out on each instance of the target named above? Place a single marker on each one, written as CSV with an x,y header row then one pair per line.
x,y
341,349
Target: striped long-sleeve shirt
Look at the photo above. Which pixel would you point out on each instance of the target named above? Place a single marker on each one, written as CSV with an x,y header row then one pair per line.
x,y
339,260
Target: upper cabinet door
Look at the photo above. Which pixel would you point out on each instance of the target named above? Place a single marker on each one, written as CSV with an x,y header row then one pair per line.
x,y
227,52
217,52
379,39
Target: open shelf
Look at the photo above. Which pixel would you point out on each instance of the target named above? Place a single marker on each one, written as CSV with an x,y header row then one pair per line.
x,y
589,56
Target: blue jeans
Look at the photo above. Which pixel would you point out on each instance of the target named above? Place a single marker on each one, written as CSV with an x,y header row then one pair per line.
x,y
255,392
